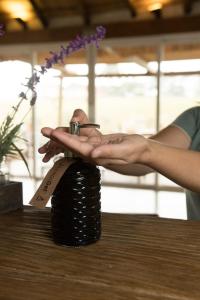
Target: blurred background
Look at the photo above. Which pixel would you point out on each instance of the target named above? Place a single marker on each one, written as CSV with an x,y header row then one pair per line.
x,y
143,75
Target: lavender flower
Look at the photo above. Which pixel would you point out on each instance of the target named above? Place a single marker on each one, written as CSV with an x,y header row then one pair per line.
x,y
78,43
75,45
9,132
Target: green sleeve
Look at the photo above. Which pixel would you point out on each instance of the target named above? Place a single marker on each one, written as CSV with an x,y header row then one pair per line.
x,y
189,121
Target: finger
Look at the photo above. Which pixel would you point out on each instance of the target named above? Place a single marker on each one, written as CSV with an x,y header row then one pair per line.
x,y
63,129
44,148
47,157
79,116
51,145
52,153
73,142
46,131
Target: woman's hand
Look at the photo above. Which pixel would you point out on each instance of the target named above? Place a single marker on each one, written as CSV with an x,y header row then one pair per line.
x,y
52,147
91,145
103,149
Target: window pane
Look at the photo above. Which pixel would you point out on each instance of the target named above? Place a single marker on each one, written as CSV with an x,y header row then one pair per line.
x,y
13,77
180,84
46,113
61,91
121,104
179,92
75,94
122,101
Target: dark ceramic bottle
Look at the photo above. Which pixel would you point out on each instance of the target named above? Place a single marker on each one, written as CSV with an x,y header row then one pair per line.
x,y
76,207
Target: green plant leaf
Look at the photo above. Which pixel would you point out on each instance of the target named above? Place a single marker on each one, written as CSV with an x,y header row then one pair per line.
x,y
22,157
7,137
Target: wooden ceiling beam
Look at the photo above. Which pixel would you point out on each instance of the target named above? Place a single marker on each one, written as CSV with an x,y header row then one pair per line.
x,y
114,30
131,7
23,24
188,6
85,13
157,13
39,14
153,27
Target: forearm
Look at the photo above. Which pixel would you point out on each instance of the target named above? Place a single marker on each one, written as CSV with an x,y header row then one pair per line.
x,y
128,154
131,169
179,165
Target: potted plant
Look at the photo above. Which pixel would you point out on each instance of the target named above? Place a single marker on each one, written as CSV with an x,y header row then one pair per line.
x,y
11,192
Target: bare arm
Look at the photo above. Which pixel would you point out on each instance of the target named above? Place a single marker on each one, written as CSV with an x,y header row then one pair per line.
x,y
180,165
176,163
171,136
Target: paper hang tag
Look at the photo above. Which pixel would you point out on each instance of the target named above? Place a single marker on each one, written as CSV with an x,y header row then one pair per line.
x,y
50,182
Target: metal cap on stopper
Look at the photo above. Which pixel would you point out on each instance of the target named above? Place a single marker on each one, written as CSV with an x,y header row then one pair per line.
x,y
75,129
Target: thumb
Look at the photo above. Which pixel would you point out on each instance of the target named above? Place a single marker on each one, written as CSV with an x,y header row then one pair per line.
x,y
79,116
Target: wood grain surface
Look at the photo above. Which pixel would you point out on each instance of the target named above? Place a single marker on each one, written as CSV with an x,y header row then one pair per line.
x,y
138,257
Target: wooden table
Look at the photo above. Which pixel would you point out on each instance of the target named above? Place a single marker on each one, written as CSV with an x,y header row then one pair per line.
x,y
138,257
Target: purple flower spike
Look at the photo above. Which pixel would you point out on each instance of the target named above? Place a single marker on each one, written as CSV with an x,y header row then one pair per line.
x,y
8,129
43,69
80,42
75,45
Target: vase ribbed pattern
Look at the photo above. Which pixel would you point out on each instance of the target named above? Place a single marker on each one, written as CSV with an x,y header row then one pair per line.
x,y
76,207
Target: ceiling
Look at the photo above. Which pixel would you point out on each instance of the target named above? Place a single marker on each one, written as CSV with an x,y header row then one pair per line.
x,y
36,21
50,21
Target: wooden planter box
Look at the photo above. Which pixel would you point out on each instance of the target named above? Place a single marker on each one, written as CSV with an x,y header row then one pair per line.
x,y
11,196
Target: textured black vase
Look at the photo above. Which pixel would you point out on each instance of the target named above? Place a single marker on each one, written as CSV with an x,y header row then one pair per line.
x,y
76,207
